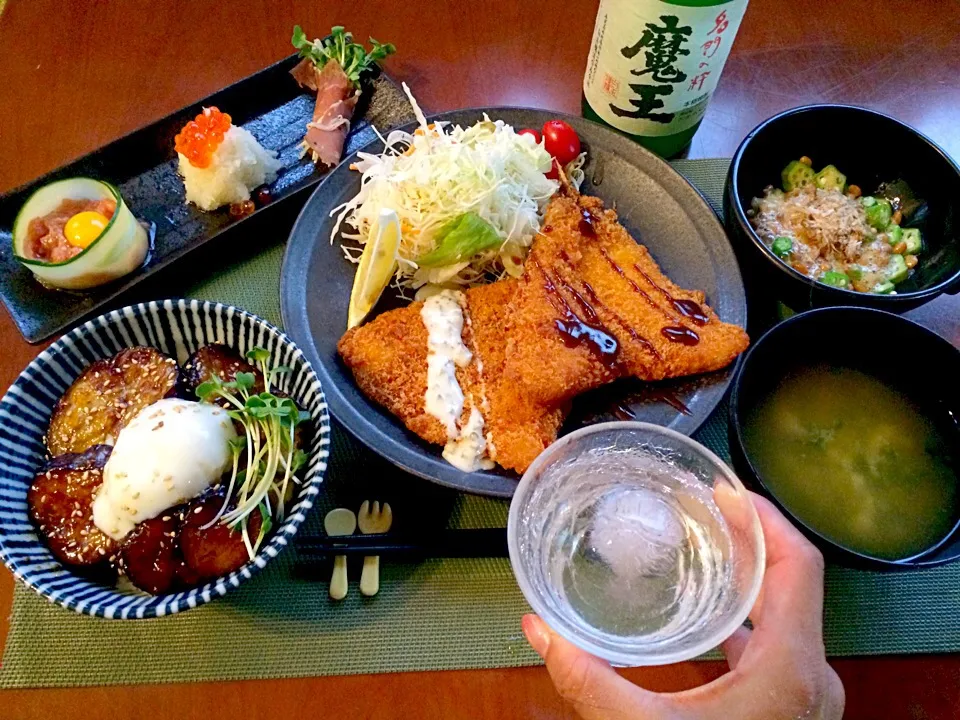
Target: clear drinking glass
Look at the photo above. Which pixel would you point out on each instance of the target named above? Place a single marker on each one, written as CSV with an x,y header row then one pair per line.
x,y
636,543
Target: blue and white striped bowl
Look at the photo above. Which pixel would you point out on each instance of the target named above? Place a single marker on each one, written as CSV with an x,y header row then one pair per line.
x,y
177,327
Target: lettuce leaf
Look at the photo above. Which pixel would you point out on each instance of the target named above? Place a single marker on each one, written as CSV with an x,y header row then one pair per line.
x,y
460,239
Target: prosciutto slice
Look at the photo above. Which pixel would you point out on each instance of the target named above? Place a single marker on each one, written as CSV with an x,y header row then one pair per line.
x,y
336,99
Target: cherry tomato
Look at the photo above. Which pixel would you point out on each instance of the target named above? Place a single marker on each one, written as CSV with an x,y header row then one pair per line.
x,y
553,174
535,134
561,141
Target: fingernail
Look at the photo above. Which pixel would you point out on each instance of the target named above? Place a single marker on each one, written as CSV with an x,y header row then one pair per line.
x,y
537,634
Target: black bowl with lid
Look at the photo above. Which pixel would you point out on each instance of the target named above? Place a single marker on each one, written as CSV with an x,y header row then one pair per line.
x,y
869,148
880,344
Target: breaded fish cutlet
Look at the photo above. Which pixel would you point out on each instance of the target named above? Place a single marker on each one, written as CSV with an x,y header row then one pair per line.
x,y
388,358
595,306
592,306
519,427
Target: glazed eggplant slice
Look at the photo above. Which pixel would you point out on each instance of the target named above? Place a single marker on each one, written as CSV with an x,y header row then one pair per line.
x,y
60,503
186,577
150,554
217,550
107,396
215,361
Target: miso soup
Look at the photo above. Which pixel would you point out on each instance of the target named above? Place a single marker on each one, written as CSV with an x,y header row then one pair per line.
x,y
856,460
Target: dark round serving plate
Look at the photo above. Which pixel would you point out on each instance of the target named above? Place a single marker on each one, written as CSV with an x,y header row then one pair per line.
x,y
656,205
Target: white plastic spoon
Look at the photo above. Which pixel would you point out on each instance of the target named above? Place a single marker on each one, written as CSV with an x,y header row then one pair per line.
x,y
337,523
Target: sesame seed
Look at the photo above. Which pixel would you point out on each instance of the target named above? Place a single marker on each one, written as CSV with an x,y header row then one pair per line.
x,y
197,509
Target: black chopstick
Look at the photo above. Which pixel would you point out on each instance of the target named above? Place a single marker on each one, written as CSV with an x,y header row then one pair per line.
x,y
482,542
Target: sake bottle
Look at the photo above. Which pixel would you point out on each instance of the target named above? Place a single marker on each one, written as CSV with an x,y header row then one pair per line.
x,y
654,64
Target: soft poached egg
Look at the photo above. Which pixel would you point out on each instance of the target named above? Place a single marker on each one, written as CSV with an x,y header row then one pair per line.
x,y
170,452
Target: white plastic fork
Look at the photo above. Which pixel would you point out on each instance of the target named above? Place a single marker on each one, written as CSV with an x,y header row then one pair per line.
x,y
372,521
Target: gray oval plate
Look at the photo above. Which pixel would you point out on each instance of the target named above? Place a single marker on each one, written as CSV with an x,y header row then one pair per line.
x,y
655,204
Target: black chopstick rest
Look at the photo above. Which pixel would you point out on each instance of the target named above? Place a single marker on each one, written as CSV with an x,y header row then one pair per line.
x,y
482,542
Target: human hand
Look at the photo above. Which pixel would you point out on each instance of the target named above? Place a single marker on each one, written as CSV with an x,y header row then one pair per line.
x,y
778,670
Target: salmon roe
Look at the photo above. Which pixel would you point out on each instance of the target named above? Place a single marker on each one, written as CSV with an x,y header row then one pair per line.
x,y
201,137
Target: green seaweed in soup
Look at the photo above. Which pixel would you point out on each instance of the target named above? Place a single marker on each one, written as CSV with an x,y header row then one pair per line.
x,y
855,460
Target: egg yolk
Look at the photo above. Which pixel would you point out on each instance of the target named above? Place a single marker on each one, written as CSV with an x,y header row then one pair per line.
x,y
85,227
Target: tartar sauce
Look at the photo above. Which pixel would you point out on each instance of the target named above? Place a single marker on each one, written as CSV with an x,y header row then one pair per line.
x,y
468,452
443,318
466,448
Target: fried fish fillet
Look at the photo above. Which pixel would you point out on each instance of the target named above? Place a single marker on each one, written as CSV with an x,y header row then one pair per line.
x,y
592,306
520,428
388,358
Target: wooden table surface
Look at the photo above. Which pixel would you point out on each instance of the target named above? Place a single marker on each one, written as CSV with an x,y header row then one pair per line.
x,y
76,75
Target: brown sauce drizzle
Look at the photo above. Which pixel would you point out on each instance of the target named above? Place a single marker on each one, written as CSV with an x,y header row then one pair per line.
x,y
637,337
682,335
666,396
585,225
636,288
687,308
595,299
622,410
692,310
589,311
575,331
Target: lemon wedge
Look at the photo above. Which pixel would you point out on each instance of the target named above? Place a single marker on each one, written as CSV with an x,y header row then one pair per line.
x,y
377,265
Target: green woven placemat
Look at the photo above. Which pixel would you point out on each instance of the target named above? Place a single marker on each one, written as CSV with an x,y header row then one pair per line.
x,y
439,614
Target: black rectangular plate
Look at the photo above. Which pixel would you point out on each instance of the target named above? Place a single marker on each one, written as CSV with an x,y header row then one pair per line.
x,y
143,165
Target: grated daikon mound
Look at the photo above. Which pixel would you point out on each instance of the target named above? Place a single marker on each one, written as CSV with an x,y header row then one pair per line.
x,y
239,165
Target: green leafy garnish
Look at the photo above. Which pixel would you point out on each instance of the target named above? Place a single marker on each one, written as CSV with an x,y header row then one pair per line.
x,y
280,370
267,446
352,57
244,380
460,239
258,355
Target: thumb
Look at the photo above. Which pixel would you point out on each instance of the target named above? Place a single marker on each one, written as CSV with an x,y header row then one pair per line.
x,y
589,683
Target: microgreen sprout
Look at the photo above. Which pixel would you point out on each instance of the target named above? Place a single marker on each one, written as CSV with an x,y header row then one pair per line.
x,y
265,456
352,57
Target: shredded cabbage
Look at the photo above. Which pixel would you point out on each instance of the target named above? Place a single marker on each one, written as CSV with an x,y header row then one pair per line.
x,y
440,172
